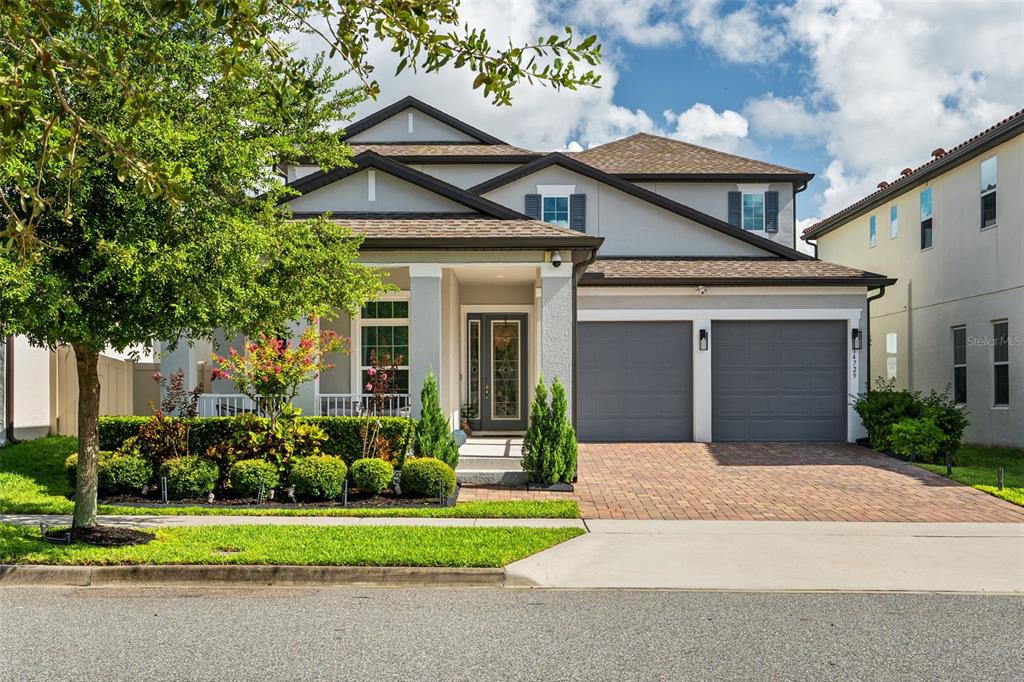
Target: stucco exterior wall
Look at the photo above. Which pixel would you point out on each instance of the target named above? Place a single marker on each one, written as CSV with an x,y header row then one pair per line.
x,y
390,194
630,226
713,198
31,389
464,175
970,276
423,129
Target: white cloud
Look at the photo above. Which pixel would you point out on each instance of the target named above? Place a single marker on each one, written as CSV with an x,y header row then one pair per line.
x,y
744,35
640,22
701,124
890,82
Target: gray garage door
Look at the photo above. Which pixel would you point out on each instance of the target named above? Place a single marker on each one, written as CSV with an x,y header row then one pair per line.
x,y
634,381
778,381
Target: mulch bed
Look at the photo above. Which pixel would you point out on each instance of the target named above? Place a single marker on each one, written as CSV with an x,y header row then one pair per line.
x,y
356,500
100,536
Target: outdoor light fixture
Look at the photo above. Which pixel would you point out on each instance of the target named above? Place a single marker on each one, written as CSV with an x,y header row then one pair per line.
x,y
856,339
702,342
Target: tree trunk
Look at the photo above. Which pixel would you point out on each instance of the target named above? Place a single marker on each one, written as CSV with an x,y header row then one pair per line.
x,y
87,360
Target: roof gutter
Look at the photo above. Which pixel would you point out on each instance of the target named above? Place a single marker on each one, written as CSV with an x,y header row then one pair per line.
x,y
872,283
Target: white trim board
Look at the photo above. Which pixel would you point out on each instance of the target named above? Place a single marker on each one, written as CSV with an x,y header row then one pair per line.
x,y
670,314
718,290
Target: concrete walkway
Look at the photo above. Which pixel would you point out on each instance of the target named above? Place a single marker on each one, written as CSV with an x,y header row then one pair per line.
x,y
154,521
767,555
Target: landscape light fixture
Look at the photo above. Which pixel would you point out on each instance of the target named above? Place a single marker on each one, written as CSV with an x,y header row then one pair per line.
x,y
702,339
855,337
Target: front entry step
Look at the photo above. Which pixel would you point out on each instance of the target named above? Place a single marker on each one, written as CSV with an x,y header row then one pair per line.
x,y
489,477
491,460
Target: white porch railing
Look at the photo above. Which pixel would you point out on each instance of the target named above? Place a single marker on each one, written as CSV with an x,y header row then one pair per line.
x,y
326,405
358,404
225,405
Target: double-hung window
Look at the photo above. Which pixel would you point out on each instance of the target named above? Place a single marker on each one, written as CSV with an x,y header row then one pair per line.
x,y
960,365
1001,362
753,211
894,222
384,333
989,176
556,211
872,232
926,219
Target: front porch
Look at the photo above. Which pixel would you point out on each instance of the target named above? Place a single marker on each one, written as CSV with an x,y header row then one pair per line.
x,y
486,328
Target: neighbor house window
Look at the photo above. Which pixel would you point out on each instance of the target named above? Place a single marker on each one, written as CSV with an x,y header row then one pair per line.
x,y
960,365
753,211
872,232
384,331
989,173
1001,362
894,222
926,219
556,211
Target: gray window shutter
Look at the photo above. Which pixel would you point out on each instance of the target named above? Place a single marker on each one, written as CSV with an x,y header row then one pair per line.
x,y
533,206
735,209
771,211
578,212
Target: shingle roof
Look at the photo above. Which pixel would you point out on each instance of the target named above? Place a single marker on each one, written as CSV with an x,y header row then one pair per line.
x,y
644,154
966,150
406,150
733,271
419,229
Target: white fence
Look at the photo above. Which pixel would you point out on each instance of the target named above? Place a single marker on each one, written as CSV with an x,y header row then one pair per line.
x,y
327,405
357,404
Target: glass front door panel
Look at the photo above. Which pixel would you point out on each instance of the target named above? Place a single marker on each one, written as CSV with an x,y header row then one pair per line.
x,y
472,407
505,369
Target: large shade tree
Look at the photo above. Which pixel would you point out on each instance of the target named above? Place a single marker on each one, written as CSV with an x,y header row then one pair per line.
x,y
135,143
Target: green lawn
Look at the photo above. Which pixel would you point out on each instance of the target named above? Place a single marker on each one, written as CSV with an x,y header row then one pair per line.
x,y
32,481
977,465
297,546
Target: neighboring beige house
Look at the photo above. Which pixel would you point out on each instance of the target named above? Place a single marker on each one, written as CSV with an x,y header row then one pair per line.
x,y
952,232
656,279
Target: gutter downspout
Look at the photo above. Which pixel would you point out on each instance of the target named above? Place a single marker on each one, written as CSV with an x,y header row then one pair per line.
x,y
867,335
577,274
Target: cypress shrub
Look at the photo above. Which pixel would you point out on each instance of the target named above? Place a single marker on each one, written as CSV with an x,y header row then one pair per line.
x,y
434,436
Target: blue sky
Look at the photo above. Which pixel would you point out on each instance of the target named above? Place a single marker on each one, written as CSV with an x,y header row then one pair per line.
x,y
852,91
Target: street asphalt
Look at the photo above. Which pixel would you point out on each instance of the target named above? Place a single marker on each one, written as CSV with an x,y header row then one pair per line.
x,y
474,634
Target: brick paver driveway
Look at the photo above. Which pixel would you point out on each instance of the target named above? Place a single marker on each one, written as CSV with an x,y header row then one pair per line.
x,y
764,481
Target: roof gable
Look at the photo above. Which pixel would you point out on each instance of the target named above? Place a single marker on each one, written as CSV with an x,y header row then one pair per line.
x,y
366,160
645,156
648,196
382,126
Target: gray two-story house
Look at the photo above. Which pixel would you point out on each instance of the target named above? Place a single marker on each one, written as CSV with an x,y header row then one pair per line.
x,y
656,279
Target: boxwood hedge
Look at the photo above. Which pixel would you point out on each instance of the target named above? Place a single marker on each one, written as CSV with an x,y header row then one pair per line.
x,y
343,433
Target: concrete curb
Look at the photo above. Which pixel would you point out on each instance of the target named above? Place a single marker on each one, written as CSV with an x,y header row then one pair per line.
x,y
238,575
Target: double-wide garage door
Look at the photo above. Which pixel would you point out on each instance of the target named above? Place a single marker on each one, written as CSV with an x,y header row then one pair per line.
x,y
771,380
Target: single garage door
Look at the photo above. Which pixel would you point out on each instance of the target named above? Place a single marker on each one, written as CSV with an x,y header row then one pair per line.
x,y
778,381
634,381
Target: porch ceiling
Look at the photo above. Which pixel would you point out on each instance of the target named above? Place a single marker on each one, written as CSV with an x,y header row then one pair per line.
x,y
495,275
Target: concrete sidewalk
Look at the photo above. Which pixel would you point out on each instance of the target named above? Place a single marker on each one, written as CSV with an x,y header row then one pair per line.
x,y
155,521
770,556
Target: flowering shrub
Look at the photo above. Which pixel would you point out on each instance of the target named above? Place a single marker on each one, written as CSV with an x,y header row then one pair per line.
x,y
163,437
271,370
382,389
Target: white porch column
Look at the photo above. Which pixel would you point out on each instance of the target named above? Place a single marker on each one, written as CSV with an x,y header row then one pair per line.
x,y
702,381
306,399
424,328
556,323
182,357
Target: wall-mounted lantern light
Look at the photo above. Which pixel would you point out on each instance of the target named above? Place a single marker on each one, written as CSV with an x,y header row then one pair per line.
x,y
702,339
855,337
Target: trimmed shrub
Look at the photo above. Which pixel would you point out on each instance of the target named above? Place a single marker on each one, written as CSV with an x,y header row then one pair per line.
x,y
426,476
434,437
343,433
549,448
916,439
189,477
319,476
246,476
882,408
118,472
372,475
279,442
